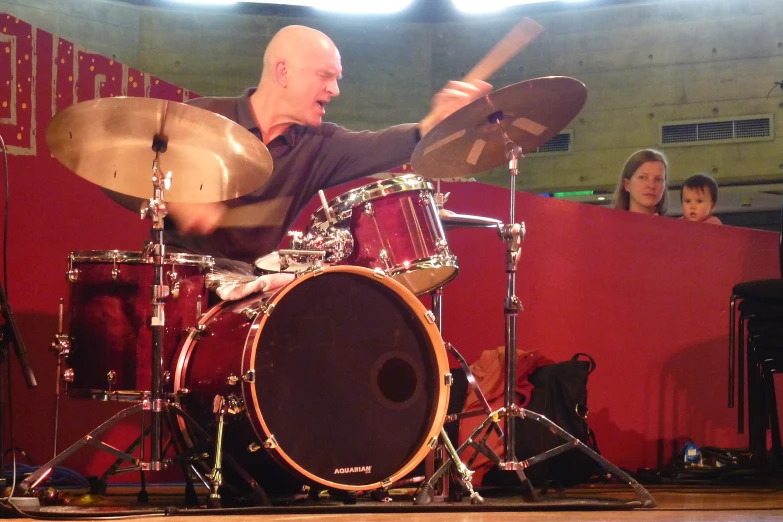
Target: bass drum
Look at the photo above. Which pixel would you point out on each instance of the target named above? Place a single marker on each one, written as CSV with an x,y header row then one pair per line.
x,y
340,378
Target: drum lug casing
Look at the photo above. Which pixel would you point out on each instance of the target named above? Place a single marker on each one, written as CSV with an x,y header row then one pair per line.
x,y
383,255
198,330
270,443
432,443
430,317
234,405
249,376
369,210
448,379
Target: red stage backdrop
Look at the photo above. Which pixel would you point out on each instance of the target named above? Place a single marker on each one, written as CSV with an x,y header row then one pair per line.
x,y
646,297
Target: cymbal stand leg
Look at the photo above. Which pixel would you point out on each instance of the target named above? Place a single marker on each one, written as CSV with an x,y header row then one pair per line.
x,y
61,346
435,459
90,439
429,489
216,476
463,473
257,493
142,496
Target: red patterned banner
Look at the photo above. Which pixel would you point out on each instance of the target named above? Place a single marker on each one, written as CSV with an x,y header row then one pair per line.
x,y
33,92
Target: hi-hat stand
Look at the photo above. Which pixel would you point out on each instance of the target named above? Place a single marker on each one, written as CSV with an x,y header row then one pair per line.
x,y
513,235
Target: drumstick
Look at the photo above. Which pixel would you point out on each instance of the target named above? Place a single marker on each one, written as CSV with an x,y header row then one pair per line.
x,y
517,39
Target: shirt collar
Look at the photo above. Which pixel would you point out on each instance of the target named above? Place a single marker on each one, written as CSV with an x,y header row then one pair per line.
x,y
245,118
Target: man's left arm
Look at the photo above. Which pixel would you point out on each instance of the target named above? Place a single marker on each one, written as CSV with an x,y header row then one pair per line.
x,y
353,155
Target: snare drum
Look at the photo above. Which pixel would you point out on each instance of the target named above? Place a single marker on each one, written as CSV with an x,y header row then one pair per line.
x,y
396,228
338,379
110,308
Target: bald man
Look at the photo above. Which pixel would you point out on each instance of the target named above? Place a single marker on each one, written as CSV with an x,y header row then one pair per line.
x,y
299,78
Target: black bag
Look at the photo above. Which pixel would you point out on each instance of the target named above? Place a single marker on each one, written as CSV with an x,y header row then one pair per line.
x,y
560,394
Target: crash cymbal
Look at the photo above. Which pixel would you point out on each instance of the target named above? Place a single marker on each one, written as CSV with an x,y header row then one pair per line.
x,y
108,141
469,141
451,219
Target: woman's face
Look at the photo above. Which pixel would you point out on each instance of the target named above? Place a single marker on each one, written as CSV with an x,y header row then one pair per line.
x,y
645,187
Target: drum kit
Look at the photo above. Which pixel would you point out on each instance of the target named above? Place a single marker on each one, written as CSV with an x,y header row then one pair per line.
x,y
337,380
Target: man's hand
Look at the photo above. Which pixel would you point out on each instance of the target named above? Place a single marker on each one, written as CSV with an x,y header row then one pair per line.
x,y
196,218
453,96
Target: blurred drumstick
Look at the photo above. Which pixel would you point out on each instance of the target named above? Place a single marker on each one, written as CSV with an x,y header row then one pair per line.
x,y
517,39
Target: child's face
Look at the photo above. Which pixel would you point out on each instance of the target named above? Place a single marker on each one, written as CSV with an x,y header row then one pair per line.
x,y
697,204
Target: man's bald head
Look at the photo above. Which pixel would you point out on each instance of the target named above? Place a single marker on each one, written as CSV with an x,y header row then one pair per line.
x,y
296,44
299,79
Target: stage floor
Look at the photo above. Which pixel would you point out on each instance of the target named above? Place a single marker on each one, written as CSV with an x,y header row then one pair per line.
x,y
580,504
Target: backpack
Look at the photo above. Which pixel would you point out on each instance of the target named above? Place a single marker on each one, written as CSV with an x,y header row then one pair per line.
x,y
560,394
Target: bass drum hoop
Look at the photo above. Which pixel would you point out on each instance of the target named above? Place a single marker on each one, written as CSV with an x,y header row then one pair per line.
x,y
252,341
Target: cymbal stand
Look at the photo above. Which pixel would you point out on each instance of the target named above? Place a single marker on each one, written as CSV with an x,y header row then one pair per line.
x,y
512,235
156,210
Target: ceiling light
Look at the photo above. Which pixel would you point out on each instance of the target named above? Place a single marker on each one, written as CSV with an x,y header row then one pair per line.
x,y
342,6
362,6
206,2
488,6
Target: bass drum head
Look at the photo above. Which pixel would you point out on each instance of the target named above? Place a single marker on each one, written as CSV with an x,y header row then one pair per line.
x,y
349,379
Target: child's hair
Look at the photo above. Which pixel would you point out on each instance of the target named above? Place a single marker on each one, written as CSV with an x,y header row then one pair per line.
x,y
698,182
622,199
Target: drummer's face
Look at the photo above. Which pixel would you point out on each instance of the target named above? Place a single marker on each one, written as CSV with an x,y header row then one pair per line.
x,y
314,84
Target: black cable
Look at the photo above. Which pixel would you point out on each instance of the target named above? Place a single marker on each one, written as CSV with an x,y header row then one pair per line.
x,y
5,221
8,358
777,84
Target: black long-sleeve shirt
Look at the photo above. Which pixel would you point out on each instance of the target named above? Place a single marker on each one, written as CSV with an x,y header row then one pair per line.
x,y
305,160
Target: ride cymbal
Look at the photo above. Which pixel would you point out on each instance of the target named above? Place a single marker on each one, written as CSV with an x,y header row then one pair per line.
x,y
470,140
108,141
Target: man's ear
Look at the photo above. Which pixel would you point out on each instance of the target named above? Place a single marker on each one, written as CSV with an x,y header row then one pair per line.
x,y
281,73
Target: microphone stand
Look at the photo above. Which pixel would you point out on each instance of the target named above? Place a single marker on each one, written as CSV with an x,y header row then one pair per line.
x,y
9,335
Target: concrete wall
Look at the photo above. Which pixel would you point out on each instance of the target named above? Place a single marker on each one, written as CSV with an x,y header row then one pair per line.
x,y
643,64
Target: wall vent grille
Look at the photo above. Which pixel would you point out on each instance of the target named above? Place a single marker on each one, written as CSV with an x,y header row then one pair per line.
x,y
734,130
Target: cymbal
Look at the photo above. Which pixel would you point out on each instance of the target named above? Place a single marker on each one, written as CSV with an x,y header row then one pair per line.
x,y
108,141
451,219
469,141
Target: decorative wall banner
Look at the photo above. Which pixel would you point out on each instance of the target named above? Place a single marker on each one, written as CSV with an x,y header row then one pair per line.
x,y
42,74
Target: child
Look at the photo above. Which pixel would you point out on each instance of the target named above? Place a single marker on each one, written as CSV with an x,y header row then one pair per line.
x,y
698,195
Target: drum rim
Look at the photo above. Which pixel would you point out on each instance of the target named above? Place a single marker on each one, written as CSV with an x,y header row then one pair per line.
x,y
372,191
257,264
135,257
424,263
438,416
